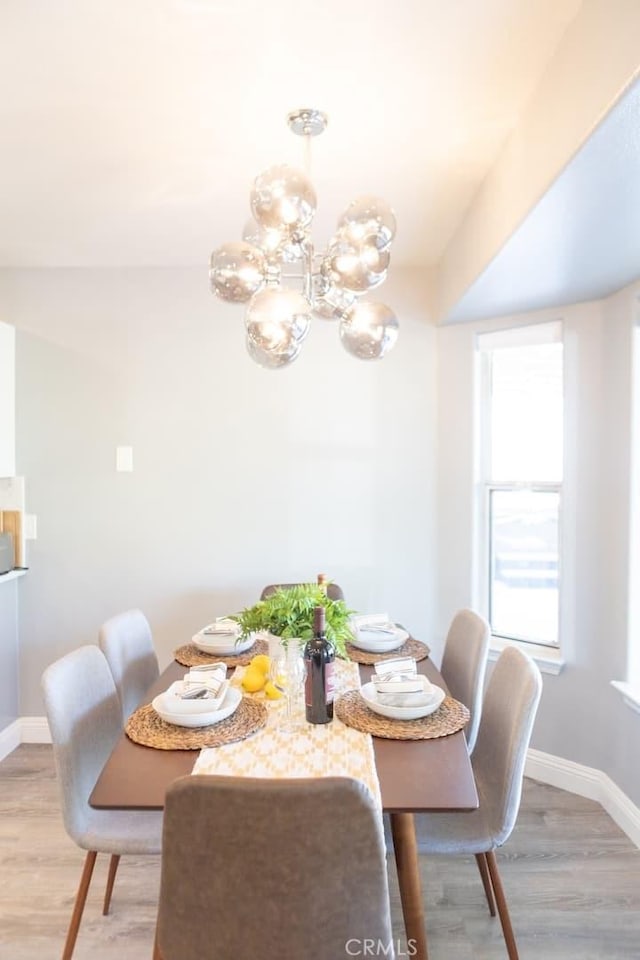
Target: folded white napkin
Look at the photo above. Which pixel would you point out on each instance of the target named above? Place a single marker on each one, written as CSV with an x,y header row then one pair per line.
x,y
222,627
374,628
372,621
210,676
173,702
398,684
396,665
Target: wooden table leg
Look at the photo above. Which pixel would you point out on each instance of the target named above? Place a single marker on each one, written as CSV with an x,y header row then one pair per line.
x,y
405,849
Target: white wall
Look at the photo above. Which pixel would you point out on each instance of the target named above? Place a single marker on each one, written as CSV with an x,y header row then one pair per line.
x,y
241,476
7,401
581,717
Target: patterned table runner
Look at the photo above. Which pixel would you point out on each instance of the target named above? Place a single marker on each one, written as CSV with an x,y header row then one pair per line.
x,y
313,750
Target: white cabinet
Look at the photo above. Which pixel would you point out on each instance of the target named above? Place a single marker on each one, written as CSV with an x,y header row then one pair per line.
x,y
7,400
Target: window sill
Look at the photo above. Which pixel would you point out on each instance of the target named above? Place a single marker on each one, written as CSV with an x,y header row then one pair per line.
x,y
548,659
630,694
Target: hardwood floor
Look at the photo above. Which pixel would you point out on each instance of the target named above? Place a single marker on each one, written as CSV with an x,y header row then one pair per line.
x,y
571,876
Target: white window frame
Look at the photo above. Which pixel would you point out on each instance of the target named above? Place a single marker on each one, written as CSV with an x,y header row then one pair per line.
x,y
630,688
548,656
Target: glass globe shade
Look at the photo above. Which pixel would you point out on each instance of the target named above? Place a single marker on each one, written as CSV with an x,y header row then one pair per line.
x,y
277,246
283,199
267,240
370,218
273,359
276,316
237,271
369,330
357,266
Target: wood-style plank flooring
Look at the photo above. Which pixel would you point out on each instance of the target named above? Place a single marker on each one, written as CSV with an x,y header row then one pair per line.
x,y
572,880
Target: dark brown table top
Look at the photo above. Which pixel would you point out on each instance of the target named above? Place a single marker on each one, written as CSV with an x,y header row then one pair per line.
x,y
414,775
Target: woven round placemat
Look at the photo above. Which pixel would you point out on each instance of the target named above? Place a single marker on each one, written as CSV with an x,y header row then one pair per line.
x,y
189,655
450,717
410,648
144,726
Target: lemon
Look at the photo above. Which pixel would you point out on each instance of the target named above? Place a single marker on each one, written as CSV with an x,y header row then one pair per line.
x,y
272,691
253,679
262,663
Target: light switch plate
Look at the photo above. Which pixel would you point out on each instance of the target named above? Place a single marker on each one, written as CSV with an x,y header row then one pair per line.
x,y
124,459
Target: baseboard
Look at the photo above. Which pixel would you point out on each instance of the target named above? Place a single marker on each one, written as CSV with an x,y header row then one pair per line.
x,y
34,730
10,738
586,782
23,730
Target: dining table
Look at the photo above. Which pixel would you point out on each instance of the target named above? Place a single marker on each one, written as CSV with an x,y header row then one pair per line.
x,y
415,776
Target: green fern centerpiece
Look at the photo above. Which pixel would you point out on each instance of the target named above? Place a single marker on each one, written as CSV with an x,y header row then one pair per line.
x,y
288,613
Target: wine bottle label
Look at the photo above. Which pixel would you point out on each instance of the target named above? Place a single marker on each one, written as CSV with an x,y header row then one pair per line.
x,y
330,681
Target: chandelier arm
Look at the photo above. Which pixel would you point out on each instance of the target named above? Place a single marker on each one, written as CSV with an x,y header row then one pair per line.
x,y
308,273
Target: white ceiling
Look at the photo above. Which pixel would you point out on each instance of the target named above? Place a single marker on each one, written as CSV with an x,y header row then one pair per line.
x,y
582,240
131,130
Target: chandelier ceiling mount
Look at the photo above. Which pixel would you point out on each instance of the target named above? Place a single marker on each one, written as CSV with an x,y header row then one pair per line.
x,y
307,122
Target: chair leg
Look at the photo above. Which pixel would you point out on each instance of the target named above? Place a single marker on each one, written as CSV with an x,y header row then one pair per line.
x,y
501,902
156,949
113,866
486,882
81,897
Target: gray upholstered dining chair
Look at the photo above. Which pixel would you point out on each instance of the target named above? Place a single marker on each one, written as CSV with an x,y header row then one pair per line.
x,y
334,592
85,721
508,715
289,869
127,644
464,663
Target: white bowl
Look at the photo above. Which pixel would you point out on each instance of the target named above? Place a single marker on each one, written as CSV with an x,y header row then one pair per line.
x,y
379,643
224,644
390,693
402,713
229,705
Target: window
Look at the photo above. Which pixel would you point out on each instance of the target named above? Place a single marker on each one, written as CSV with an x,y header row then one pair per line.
x,y
520,488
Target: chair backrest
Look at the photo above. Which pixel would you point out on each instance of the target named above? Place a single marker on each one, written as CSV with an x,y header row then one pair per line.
x,y
334,592
508,715
271,868
84,717
464,663
127,644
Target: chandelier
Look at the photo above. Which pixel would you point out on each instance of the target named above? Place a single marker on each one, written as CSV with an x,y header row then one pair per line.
x,y
285,283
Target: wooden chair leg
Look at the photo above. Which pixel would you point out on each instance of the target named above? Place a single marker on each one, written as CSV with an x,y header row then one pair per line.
x,y
81,897
156,949
501,903
486,882
113,867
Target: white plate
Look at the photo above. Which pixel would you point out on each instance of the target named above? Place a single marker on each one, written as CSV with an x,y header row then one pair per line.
x,y
402,713
222,645
229,705
367,640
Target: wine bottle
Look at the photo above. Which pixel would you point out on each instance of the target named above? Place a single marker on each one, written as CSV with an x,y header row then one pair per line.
x,y
319,687
322,582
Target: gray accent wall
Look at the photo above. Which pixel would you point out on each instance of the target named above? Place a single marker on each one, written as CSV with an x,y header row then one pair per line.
x,y
241,476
